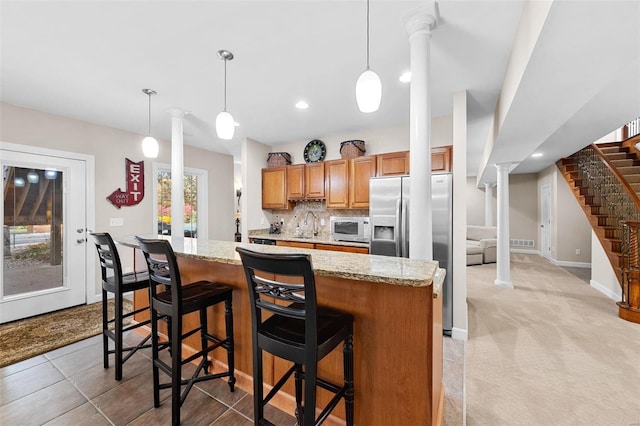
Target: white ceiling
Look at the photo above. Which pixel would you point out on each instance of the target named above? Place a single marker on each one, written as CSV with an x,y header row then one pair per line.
x,y
90,60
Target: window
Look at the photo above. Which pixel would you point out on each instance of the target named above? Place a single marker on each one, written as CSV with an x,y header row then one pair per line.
x,y
195,201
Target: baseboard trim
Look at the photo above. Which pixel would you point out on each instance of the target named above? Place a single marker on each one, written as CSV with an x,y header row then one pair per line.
x,y
459,334
569,264
525,251
606,291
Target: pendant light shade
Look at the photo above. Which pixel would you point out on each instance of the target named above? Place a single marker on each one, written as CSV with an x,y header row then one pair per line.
x,y
368,86
225,124
368,91
150,146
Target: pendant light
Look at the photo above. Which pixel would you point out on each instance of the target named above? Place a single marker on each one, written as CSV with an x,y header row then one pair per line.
x,y
368,86
225,125
150,144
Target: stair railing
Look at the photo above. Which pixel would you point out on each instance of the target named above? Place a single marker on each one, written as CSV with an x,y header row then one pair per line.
x,y
630,266
621,204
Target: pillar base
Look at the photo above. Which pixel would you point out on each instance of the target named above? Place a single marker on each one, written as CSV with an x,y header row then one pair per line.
x,y
503,284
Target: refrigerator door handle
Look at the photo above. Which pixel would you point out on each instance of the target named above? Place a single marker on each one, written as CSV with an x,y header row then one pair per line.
x,y
405,229
398,231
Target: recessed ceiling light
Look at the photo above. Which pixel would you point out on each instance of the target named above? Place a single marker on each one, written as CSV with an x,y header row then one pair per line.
x,y
536,155
405,77
302,105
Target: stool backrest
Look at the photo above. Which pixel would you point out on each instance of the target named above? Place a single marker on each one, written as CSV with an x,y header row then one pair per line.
x,y
162,266
109,258
262,271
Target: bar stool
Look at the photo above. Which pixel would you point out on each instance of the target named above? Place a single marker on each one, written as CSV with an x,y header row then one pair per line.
x,y
114,281
301,332
174,302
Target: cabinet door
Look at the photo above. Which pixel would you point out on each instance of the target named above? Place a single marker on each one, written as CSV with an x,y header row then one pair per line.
x,y
441,159
295,244
362,169
337,184
335,247
393,163
274,188
295,182
314,181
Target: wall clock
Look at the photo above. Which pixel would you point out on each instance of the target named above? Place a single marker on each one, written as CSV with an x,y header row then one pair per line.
x,y
314,151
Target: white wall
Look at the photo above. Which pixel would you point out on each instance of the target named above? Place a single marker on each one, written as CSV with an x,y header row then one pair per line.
x,y
254,159
603,278
110,147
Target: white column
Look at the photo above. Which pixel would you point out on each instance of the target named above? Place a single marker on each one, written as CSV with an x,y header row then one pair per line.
x,y
488,204
419,25
503,266
177,173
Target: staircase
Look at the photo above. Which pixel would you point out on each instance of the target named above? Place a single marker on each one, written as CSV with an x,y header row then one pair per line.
x,y
605,180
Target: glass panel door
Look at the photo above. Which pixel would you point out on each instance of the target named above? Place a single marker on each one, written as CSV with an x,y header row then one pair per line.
x,y
44,235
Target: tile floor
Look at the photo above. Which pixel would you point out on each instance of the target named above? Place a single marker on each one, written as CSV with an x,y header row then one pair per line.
x,y
68,386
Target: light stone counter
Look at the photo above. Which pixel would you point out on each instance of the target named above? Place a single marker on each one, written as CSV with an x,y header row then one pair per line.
x,y
317,239
353,266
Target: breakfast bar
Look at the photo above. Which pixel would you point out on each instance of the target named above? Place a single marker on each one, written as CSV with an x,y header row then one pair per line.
x,y
397,307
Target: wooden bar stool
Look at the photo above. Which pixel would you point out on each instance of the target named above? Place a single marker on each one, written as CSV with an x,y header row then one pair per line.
x,y
300,332
114,281
174,302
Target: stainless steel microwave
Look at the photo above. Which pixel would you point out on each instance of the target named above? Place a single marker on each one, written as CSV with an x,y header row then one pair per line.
x,y
350,228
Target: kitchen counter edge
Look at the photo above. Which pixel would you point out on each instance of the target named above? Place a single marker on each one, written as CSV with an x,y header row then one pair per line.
x,y
352,266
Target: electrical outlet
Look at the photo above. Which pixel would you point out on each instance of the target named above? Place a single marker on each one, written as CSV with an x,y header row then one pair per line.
x,y
116,221
322,221
578,251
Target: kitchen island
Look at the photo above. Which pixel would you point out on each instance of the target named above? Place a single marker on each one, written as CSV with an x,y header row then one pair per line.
x,y
397,307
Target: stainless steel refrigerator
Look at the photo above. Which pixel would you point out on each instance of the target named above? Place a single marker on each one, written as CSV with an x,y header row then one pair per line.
x,y
389,200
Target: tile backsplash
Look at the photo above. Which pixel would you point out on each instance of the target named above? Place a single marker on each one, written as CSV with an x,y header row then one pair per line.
x,y
297,215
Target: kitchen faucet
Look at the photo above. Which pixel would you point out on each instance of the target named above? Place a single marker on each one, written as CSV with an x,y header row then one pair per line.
x,y
315,232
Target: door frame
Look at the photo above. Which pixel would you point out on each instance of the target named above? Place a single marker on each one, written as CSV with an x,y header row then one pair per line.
x,y
202,196
545,229
92,295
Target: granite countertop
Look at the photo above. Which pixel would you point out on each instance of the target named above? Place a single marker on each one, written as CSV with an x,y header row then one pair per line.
x,y
353,266
317,239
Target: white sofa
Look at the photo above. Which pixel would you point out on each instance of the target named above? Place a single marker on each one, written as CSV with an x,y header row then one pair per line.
x,y
481,244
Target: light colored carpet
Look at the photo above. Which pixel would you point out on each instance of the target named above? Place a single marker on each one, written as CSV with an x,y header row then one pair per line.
x,y
552,351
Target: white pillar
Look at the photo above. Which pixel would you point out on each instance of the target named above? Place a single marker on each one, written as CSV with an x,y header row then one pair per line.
x,y
419,25
488,204
503,266
177,173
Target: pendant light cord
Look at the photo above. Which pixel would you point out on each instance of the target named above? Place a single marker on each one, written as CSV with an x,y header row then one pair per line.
x,y
225,84
149,128
367,34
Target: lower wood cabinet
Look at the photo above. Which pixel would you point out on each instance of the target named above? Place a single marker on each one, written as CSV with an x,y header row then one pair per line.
x,y
319,246
349,249
297,244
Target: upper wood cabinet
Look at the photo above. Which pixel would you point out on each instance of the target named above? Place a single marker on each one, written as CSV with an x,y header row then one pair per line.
x,y
274,188
361,170
441,159
305,181
295,182
393,163
337,184
314,180
397,163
